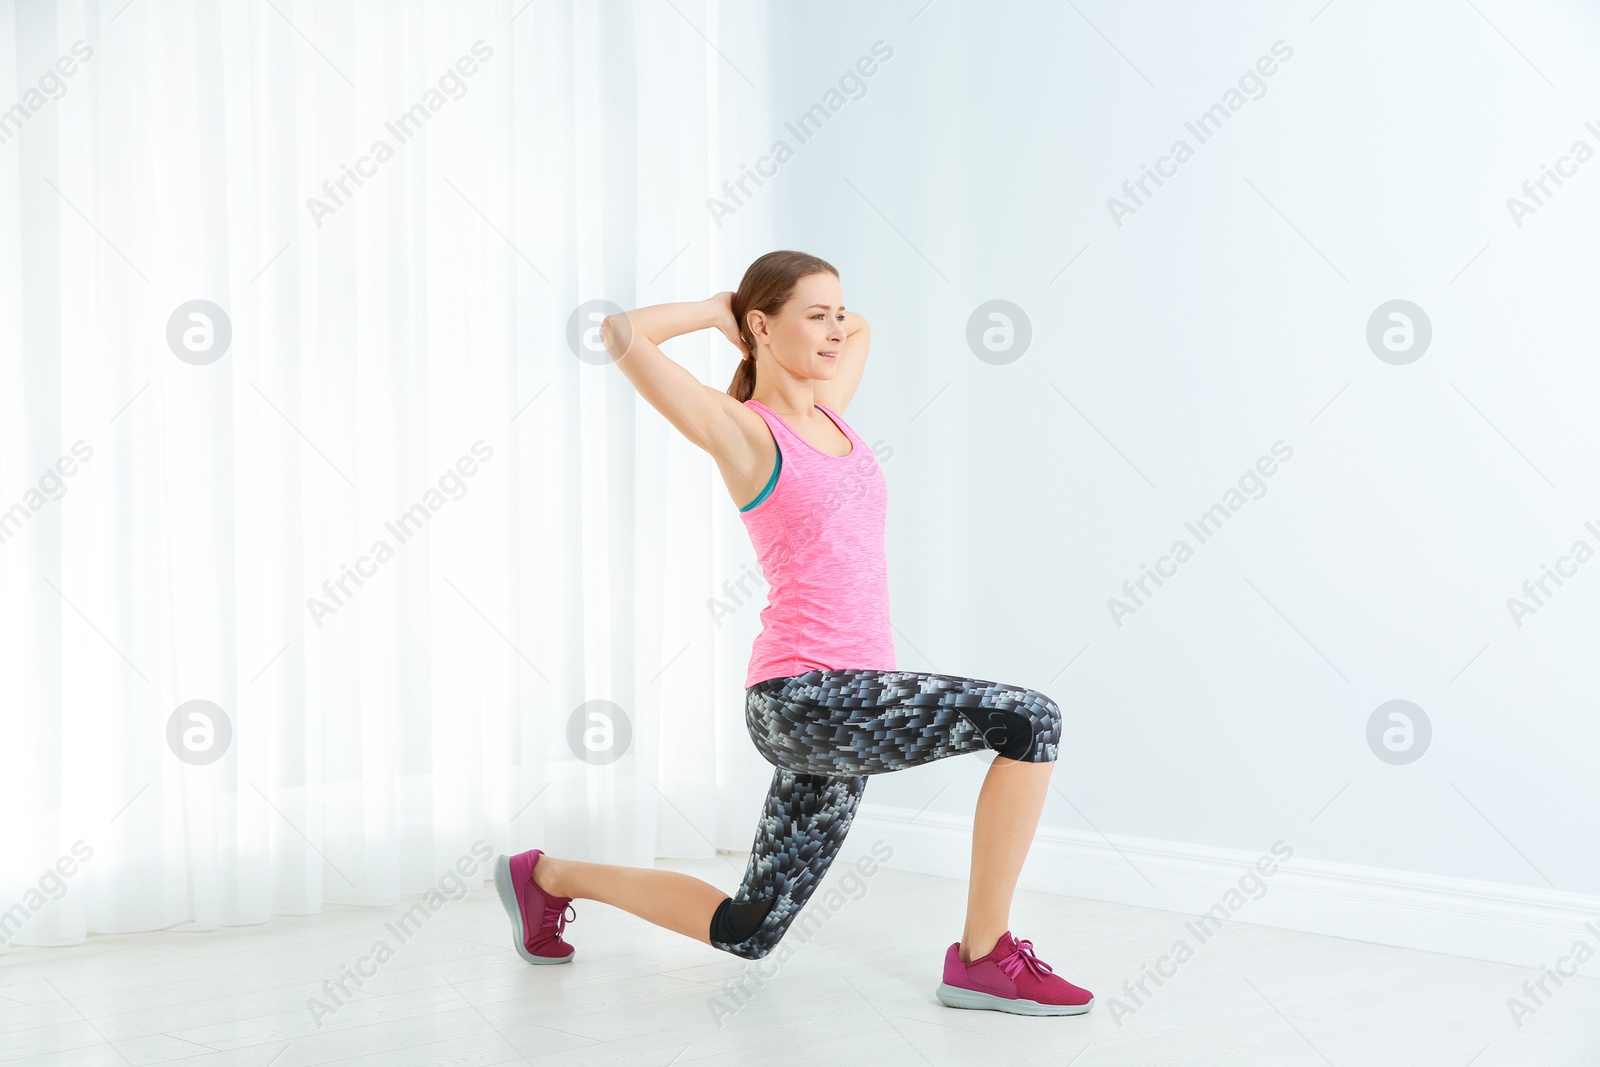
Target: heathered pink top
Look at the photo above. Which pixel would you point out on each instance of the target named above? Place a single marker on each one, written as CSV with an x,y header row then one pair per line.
x,y
818,533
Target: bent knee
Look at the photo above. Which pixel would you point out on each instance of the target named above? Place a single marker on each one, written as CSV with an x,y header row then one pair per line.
x,y
753,949
1046,731
750,952
1050,718
735,924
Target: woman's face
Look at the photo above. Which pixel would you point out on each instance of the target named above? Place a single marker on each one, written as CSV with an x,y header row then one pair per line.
x,y
806,336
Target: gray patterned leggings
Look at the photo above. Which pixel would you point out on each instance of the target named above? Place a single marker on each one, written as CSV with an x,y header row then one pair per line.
x,y
824,732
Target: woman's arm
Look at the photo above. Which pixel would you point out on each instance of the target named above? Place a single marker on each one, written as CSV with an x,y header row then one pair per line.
x,y
700,412
836,393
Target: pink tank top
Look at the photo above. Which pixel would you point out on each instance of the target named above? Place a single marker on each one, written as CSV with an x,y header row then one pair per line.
x,y
818,534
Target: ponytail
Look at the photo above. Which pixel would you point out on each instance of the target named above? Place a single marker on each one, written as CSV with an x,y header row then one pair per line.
x,y
766,287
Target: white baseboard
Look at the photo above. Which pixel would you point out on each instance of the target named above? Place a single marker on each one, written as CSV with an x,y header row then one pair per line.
x,y
1458,916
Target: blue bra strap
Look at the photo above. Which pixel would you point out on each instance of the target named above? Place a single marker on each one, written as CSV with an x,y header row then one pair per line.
x,y
772,481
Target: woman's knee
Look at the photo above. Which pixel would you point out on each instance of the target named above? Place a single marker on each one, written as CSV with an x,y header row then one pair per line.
x,y
1045,721
1050,715
755,947
1027,732
1048,731
736,921
751,951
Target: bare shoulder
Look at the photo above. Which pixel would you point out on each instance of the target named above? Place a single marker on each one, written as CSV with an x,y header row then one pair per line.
x,y
744,449
738,428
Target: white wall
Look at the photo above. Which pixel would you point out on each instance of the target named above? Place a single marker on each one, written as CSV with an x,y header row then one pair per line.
x,y
1229,313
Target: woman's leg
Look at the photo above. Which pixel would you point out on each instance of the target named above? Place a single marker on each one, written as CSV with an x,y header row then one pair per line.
x,y
824,731
803,823
676,901
871,722
1008,813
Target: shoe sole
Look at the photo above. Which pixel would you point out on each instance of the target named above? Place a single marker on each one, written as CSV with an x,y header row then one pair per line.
x,y
957,997
508,900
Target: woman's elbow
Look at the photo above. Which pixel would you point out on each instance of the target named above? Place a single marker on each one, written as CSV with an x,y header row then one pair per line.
x,y
616,333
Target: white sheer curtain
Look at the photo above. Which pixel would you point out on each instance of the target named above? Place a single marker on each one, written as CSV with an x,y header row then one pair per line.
x,y
399,346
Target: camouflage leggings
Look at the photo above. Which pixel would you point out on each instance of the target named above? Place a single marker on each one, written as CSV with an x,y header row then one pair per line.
x,y
824,732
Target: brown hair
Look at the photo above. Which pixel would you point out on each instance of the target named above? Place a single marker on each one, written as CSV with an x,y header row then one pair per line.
x,y
766,287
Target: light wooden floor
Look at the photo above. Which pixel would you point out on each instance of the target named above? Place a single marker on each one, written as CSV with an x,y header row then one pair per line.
x,y
859,991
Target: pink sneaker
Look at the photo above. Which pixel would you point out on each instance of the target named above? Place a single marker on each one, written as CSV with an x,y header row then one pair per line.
x,y
1010,978
537,918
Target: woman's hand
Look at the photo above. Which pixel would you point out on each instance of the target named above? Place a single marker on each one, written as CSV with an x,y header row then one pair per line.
x,y
722,309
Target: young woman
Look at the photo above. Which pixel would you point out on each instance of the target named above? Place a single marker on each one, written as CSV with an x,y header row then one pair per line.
x,y
824,703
